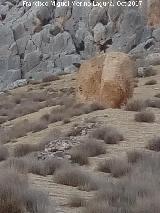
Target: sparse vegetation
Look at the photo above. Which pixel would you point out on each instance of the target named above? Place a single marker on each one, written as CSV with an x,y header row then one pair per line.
x,y
76,201
24,149
151,82
89,148
74,176
154,144
135,105
137,192
157,95
16,196
109,134
153,103
3,153
134,155
117,167
145,116
38,126
50,78
66,120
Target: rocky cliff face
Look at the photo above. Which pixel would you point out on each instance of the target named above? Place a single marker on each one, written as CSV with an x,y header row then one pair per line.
x,y
37,41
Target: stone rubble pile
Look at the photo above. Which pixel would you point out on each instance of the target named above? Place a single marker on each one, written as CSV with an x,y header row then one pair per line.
x,y
58,148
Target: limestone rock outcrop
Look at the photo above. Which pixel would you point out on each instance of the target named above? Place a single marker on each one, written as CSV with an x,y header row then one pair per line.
x,y
50,39
107,79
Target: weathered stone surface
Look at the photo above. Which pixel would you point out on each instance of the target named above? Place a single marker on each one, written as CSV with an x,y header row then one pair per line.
x,y
31,60
66,60
156,34
62,43
106,79
9,77
6,36
153,59
99,32
98,15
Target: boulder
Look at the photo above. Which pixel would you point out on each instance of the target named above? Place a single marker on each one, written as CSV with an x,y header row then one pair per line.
x,y
107,79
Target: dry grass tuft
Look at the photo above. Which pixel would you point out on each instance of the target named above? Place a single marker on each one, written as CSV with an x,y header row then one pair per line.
x,y
50,78
154,144
30,164
24,149
74,176
145,116
157,95
134,156
76,201
16,196
3,153
135,105
90,148
117,167
3,119
66,120
38,126
151,82
153,103
109,134
137,192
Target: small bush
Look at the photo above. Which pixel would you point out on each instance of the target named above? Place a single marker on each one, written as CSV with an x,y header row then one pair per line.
x,y
157,95
117,167
52,164
24,149
77,156
133,156
109,134
38,126
74,176
105,166
145,116
112,136
151,82
90,148
154,144
153,103
76,201
45,117
135,105
99,133
18,164
66,120
35,166
50,78
3,119
75,131
56,117
3,153
16,196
